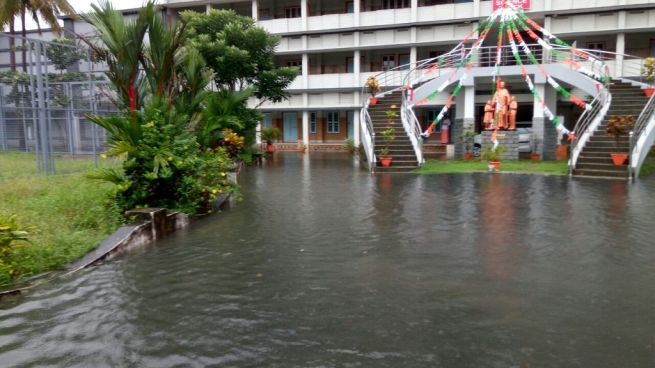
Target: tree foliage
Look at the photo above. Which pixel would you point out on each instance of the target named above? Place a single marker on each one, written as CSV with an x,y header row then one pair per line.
x,y
240,53
63,53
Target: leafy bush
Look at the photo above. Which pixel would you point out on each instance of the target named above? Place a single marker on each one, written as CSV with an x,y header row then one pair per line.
x,y
164,165
12,237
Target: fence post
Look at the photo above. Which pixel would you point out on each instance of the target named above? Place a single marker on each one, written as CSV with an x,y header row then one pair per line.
x,y
40,94
3,134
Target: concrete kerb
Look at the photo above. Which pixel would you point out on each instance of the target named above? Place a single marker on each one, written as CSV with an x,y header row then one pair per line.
x,y
149,225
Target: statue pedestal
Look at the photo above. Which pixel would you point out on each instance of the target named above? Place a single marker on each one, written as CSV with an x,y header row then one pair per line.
x,y
507,138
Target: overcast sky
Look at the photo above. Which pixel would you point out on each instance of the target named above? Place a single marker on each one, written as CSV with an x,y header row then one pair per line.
x,y
83,6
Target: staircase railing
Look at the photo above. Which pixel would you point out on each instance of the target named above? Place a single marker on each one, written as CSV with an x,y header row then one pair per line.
x,y
588,123
368,136
642,137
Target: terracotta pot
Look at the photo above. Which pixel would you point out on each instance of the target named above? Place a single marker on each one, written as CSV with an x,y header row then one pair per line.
x,y
303,150
649,92
619,158
495,164
468,156
561,153
373,100
270,148
535,156
386,161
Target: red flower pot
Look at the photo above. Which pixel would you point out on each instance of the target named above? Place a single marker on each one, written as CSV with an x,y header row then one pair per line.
x,y
649,92
495,164
468,156
270,148
373,100
619,158
535,156
386,161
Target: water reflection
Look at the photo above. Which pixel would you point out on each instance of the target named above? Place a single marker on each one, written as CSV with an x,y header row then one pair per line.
x,y
324,265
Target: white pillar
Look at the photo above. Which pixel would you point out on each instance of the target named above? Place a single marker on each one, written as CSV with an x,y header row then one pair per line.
x,y
469,105
208,7
357,67
476,8
255,10
305,71
538,111
305,127
414,13
547,25
620,51
356,127
357,9
413,52
303,14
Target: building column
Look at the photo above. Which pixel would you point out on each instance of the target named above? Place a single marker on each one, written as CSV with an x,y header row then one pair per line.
x,y
255,10
208,7
356,127
303,14
305,71
413,54
476,8
545,57
465,103
414,16
305,127
538,120
620,51
357,9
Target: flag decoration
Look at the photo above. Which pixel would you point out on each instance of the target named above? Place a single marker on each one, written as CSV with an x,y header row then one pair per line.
x,y
511,18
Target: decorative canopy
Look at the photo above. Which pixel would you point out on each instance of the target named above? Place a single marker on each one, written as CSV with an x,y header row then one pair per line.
x,y
511,18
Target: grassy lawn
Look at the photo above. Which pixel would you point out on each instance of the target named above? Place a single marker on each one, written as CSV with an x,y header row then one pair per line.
x,y
522,166
67,212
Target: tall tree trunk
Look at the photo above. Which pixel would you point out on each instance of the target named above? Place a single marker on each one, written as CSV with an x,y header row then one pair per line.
x,y
24,34
12,43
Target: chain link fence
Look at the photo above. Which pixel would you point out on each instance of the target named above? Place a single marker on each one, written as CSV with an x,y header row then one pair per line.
x,y
47,88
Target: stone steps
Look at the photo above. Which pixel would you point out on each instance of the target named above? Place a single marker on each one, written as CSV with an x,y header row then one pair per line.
x,y
595,159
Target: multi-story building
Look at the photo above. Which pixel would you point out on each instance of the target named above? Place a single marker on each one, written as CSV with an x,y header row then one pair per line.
x,y
337,44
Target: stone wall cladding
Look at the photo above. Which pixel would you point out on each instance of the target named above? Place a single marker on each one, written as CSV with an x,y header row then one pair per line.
x,y
507,138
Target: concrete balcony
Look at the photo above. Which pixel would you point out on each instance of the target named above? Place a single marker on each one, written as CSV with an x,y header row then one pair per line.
x,y
332,21
283,25
333,81
385,17
449,12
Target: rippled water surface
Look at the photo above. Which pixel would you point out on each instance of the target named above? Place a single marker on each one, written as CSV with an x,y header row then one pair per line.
x,y
323,265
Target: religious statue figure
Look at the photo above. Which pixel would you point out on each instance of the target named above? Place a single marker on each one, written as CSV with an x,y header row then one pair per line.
x,y
488,119
502,99
513,107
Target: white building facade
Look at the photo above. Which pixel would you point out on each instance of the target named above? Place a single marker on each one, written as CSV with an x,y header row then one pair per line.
x,y
337,44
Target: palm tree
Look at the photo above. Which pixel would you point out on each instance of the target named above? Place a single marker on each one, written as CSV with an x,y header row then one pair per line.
x,y
48,10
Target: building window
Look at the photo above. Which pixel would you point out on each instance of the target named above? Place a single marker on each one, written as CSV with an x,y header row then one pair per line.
x,y
264,14
432,114
333,122
295,63
388,62
597,46
312,122
292,12
395,4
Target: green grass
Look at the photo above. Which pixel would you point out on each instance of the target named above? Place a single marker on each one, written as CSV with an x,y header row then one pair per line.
x,y
520,166
67,211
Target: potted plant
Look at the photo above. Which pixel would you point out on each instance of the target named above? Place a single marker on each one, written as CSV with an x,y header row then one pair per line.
x,y
302,147
389,134
349,146
467,137
648,71
493,155
270,134
619,126
373,88
534,144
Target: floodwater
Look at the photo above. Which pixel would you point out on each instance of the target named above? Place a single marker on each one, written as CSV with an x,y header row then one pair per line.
x,y
324,265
